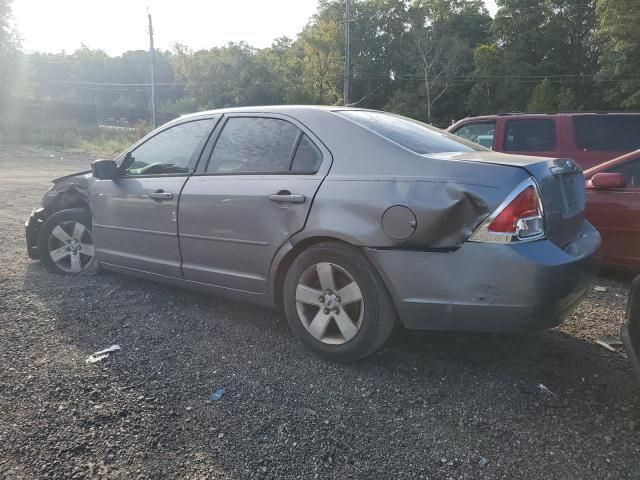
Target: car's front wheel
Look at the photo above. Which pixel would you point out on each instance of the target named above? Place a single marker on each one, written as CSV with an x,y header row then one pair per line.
x,y
336,302
65,243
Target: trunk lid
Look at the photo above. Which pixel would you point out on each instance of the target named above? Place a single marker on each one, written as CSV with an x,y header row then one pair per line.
x,y
562,189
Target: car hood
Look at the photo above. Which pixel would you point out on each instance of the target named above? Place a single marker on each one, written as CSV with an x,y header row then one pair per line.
x,y
59,180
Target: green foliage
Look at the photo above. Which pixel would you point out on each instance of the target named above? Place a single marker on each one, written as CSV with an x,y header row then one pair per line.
x,y
619,34
9,49
543,98
434,60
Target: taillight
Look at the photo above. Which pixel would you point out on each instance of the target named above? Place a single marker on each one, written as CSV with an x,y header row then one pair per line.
x,y
519,217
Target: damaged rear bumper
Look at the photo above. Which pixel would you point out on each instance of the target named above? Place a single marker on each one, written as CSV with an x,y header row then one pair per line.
x,y
32,228
486,287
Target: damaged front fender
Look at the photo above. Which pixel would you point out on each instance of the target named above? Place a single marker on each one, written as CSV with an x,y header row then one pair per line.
x,y
71,191
68,192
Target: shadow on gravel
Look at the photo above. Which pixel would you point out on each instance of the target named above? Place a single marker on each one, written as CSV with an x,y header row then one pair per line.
x,y
112,303
288,413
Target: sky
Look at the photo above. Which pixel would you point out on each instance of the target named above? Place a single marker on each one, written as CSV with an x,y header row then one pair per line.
x,y
120,25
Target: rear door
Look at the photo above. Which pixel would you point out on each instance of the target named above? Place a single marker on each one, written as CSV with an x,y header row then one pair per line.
x,y
135,216
616,214
248,197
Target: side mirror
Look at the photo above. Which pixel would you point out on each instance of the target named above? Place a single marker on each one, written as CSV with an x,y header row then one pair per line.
x,y
608,180
105,169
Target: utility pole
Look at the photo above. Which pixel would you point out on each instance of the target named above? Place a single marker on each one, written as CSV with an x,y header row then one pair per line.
x,y
152,54
347,60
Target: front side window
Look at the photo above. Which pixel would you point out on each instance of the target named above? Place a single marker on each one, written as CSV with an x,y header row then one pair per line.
x,y
530,135
411,134
631,172
607,132
254,145
481,133
170,151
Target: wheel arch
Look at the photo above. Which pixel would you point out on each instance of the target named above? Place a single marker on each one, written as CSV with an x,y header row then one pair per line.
x,y
72,197
286,257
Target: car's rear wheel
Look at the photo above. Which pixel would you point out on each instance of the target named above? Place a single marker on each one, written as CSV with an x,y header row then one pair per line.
x,y
65,243
336,302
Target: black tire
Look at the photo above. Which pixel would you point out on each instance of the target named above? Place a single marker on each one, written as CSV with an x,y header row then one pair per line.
x,y
47,241
379,316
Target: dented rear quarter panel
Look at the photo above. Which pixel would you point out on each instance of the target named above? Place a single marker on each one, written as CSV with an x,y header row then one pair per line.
x,y
449,197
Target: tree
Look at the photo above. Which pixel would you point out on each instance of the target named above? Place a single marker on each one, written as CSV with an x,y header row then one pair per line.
x,y
9,49
322,47
537,39
619,58
443,34
233,75
543,98
440,58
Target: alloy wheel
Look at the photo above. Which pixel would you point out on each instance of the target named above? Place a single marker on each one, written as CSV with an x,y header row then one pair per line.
x,y
71,247
329,303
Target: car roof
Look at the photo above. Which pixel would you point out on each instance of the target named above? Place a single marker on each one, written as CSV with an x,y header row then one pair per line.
x,y
283,109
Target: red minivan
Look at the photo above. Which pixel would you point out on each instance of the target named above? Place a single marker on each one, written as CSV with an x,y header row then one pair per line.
x,y
587,138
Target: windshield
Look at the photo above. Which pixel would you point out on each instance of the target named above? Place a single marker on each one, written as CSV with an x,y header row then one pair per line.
x,y
416,136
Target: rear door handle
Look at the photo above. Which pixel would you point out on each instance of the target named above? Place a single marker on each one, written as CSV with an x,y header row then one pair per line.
x,y
287,197
161,195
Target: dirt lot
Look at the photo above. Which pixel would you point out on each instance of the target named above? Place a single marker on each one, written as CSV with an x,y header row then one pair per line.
x,y
430,405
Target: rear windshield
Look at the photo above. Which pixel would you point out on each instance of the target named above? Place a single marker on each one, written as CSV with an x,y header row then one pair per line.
x,y
607,132
416,136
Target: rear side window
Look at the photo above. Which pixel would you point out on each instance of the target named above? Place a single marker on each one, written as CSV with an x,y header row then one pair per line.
x,y
607,132
530,135
481,133
416,136
307,158
254,145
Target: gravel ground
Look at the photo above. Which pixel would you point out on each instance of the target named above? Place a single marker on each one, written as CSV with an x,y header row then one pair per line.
x,y
430,405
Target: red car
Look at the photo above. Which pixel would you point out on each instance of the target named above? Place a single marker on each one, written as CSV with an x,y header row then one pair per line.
x,y
587,138
613,207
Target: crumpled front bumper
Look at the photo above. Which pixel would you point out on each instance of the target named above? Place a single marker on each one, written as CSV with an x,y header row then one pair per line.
x,y
32,228
486,287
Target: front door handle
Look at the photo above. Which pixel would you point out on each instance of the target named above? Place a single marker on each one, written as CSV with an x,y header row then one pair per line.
x,y
161,195
287,197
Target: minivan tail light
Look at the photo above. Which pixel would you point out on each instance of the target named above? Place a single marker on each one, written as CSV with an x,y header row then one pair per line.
x,y
519,217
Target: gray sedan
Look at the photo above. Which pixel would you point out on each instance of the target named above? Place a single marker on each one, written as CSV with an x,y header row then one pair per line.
x,y
349,220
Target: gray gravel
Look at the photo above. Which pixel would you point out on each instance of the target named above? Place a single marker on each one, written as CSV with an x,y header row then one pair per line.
x,y
430,405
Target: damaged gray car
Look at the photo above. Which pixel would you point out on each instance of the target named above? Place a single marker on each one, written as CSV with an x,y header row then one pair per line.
x,y
349,220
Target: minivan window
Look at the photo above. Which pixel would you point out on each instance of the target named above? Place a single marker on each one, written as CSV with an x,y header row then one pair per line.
x,y
254,145
631,172
530,135
170,151
607,132
416,136
481,133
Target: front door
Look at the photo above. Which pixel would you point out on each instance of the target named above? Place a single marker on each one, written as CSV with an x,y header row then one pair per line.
x,y
135,216
616,214
254,192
